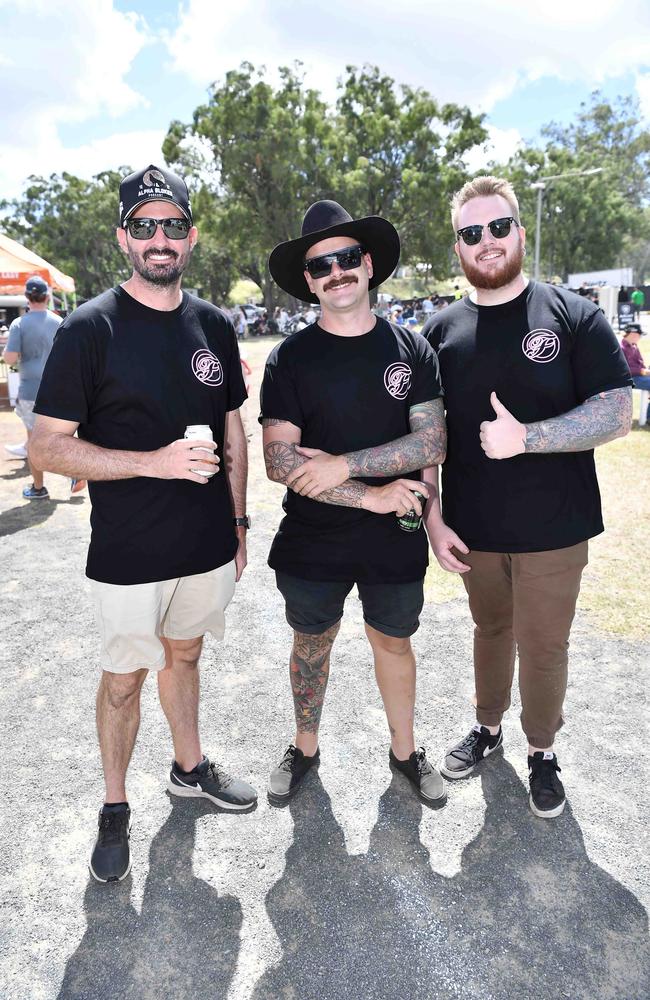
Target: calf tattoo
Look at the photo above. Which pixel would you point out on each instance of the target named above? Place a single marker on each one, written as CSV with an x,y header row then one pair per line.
x,y
309,669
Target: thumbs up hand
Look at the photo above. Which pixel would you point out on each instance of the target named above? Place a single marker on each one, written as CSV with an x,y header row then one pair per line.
x,y
505,436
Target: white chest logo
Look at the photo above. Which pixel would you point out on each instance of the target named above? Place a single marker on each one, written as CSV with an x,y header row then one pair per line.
x,y
541,346
207,367
397,379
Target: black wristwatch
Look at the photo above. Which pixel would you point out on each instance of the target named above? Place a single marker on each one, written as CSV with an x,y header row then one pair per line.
x,y
242,522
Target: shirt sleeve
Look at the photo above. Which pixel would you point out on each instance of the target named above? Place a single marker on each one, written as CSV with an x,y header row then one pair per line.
x,y
70,374
278,396
426,383
596,357
236,386
14,342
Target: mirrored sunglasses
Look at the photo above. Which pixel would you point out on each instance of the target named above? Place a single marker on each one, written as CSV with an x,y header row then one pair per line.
x,y
144,229
347,259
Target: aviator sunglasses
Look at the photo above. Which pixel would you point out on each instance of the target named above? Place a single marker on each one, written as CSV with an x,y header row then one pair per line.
x,y
347,259
500,228
144,229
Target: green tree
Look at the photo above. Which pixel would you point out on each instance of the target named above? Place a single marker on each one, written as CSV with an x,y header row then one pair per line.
x,y
264,153
71,222
400,155
586,220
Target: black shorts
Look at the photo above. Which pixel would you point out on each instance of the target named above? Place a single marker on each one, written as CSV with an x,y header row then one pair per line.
x,y
313,606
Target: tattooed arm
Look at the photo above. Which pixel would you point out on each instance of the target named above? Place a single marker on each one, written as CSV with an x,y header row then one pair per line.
x,y
281,455
423,447
601,418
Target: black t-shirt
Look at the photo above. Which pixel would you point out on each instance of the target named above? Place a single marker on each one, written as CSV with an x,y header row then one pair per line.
x,y
543,353
134,378
348,393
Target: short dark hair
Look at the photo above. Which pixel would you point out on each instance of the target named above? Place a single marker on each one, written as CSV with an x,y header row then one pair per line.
x,y
33,297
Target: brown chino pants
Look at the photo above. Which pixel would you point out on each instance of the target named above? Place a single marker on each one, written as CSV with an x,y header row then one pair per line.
x,y
524,601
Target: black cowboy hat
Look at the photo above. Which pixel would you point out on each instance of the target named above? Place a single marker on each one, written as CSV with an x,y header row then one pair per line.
x,y
323,220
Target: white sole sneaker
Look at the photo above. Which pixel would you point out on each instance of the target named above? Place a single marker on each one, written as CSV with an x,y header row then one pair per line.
x,y
546,813
196,792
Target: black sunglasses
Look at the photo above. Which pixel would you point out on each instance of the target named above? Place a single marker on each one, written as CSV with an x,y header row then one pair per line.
x,y
347,259
144,229
500,228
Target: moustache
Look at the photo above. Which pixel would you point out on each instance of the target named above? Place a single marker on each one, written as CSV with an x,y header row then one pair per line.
x,y
340,283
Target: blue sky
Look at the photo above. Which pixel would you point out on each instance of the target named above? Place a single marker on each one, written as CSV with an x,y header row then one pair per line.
x,y
93,84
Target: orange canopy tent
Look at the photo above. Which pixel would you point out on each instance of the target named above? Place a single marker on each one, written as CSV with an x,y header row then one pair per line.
x,y
17,263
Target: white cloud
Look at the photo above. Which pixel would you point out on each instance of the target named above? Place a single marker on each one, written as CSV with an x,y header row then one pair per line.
x,y
61,63
468,53
501,144
49,156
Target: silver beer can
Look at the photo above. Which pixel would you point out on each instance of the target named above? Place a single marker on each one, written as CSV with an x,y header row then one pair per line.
x,y
200,432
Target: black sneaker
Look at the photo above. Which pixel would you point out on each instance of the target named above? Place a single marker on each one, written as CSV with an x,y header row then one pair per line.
x,y
284,780
208,781
463,758
547,798
111,857
422,775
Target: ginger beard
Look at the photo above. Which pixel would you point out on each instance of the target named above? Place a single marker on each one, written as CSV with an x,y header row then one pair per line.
x,y
501,271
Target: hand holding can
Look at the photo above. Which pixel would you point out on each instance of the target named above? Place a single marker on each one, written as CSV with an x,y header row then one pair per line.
x,y
411,521
201,432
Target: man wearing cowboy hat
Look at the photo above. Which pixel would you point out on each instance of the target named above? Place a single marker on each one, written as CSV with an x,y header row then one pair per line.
x,y
349,404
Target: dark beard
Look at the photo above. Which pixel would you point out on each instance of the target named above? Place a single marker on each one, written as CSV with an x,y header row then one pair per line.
x,y
161,275
499,278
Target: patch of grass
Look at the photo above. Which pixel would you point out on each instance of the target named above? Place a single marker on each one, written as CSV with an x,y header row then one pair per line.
x,y
615,592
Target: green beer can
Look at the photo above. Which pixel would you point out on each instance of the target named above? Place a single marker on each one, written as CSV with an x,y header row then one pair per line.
x,y
412,521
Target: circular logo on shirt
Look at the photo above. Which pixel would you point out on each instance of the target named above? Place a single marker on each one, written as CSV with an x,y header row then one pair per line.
x,y
541,346
397,379
207,367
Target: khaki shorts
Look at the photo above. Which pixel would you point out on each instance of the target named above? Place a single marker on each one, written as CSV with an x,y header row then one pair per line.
x,y
131,619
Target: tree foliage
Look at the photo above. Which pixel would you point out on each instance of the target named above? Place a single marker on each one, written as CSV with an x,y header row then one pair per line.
x,y
587,221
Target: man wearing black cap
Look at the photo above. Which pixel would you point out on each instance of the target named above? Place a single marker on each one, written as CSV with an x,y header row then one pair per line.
x,y
349,404
131,370
30,341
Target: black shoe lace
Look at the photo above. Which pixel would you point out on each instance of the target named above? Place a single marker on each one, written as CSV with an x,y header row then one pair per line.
x,y
112,827
288,759
423,765
221,777
544,771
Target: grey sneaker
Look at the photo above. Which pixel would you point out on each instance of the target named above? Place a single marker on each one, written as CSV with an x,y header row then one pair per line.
x,y
475,747
208,781
422,776
284,780
111,857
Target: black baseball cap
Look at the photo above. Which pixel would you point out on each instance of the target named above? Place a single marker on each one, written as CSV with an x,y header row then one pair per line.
x,y
153,184
36,285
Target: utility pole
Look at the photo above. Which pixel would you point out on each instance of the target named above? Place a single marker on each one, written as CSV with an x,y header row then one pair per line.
x,y
540,187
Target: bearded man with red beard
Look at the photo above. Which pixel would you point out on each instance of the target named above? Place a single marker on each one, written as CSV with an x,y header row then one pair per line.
x,y
534,380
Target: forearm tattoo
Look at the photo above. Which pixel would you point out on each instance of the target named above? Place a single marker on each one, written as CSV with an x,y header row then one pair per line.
x,y
272,422
309,669
282,458
599,419
425,445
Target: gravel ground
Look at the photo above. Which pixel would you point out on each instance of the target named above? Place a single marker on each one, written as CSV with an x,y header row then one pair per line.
x,y
355,891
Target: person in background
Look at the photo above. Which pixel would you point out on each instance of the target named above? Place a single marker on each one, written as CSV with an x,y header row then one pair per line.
x,y
30,341
638,369
637,298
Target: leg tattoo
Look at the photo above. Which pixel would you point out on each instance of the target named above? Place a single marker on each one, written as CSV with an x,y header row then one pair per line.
x,y
309,668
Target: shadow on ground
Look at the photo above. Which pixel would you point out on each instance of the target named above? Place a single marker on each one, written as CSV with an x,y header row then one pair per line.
x,y
185,941
18,472
31,513
528,916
